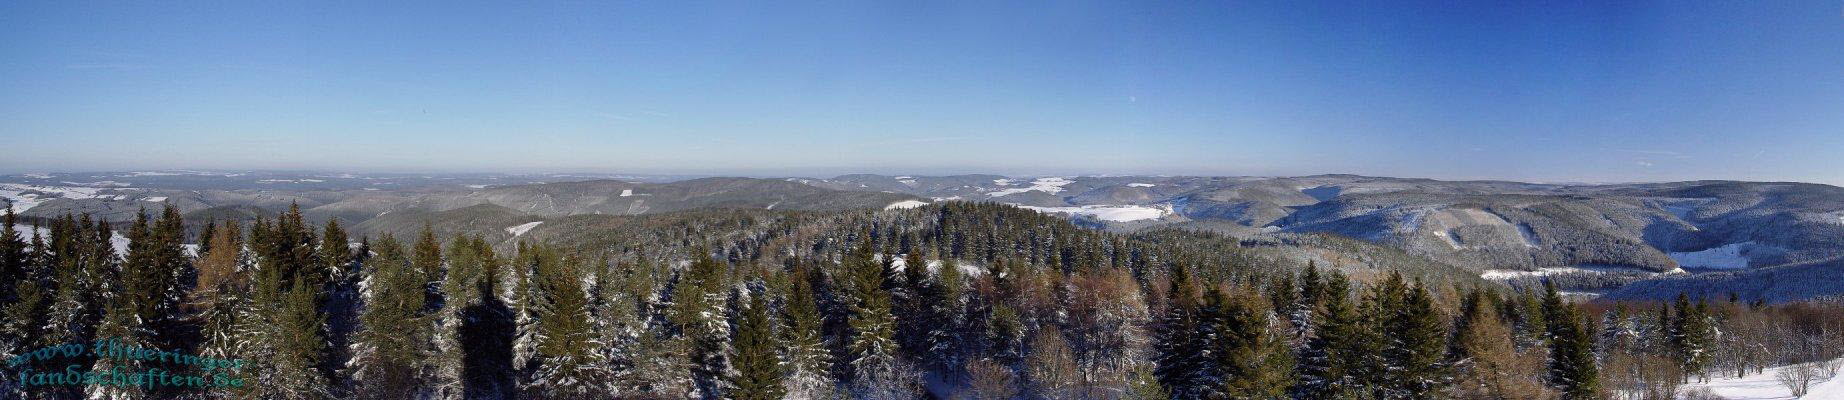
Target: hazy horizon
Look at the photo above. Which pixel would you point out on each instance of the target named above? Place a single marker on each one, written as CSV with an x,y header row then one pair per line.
x,y
1521,92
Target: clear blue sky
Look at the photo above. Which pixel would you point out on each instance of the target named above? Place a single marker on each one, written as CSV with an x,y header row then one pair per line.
x,y
1541,91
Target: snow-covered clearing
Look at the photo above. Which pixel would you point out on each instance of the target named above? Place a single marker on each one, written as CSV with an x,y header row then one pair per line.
x,y
1047,185
1107,213
1508,274
476,186
627,192
1141,185
154,199
1727,256
905,204
1766,386
18,195
520,229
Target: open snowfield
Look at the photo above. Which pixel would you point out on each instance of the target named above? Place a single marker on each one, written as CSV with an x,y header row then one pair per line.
x,y
905,204
1508,274
1765,386
1107,213
1727,257
520,229
1046,185
17,194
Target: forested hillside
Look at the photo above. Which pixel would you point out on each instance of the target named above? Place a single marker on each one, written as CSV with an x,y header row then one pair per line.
x,y
957,300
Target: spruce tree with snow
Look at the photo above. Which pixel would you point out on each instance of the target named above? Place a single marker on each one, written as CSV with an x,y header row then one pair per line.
x,y
907,303
221,293
1691,335
390,352
462,285
1174,343
809,362
701,309
299,348
569,361
1335,363
625,289
340,301
1247,350
12,256
944,306
126,322
426,259
758,370
1572,368
1414,339
875,369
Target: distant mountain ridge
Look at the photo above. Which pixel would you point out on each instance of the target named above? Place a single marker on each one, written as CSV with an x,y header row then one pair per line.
x,y
1493,227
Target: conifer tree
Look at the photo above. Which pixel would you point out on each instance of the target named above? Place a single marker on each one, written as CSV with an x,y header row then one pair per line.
x,y
1175,345
1337,358
570,364
426,259
339,298
1249,357
390,352
1572,367
873,347
299,349
221,292
701,310
944,308
1415,343
758,372
808,361
1691,335
1486,363
125,323
12,256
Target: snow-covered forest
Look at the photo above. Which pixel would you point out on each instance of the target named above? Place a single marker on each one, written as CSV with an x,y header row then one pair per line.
x,y
955,300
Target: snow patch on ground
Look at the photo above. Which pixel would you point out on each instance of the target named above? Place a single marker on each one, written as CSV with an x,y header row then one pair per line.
x,y
1107,213
1728,257
1141,185
1047,185
477,186
1765,386
905,204
155,199
966,268
520,229
627,192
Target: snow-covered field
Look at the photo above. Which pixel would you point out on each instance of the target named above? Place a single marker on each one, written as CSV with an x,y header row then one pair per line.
x,y
520,229
905,204
1728,257
1766,386
1107,213
1509,274
22,201
1046,185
